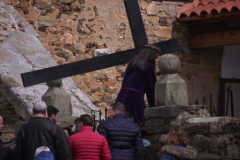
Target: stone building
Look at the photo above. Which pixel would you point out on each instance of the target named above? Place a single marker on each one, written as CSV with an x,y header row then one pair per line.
x,y
214,34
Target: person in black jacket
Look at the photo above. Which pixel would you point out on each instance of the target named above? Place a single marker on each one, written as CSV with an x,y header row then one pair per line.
x,y
53,115
123,136
39,131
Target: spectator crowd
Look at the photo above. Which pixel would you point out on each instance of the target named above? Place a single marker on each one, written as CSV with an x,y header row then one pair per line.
x,y
118,138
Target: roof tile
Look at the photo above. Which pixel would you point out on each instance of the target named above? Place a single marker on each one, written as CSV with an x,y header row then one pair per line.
x,y
204,7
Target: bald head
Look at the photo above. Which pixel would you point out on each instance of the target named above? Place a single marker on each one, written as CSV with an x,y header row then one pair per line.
x,y
40,149
39,107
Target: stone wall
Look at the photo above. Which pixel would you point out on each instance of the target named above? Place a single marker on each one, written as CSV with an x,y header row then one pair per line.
x,y
71,29
213,137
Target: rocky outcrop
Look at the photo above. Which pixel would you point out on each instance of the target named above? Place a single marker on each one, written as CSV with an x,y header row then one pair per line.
x,y
21,52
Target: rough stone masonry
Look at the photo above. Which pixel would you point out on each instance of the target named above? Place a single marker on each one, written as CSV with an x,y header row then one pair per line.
x,y
71,29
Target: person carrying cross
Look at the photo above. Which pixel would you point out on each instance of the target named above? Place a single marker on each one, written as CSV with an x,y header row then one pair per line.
x,y
139,78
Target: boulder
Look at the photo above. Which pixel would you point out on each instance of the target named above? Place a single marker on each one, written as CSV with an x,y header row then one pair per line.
x,y
22,52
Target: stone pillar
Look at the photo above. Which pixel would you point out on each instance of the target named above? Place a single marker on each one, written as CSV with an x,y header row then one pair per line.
x,y
170,89
57,96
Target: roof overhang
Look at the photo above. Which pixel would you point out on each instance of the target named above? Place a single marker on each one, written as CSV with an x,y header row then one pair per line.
x,y
209,10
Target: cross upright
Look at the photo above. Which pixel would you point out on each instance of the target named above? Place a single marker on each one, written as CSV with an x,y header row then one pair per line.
x,y
105,61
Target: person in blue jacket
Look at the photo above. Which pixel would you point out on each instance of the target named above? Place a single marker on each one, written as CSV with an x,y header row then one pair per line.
x,y
123,136
177,148
43,153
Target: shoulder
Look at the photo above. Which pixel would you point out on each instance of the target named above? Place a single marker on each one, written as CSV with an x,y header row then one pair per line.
x,y
166,156
100,137
41,121
168,148
75,135
49,125
133,125
108,123
150,65
186,152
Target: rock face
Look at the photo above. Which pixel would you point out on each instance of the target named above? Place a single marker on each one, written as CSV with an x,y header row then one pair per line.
x,y
21,52
170,89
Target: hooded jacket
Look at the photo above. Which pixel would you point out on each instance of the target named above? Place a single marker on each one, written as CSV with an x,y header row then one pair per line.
x,y
123,136
171,152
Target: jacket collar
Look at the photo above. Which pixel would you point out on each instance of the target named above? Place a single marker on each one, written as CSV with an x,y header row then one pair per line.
x,y
86,128
120,115
189,152
40,116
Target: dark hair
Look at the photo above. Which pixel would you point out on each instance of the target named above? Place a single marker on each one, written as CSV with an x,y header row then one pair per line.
x,y
148,153
139,61
129,115
177,136
119,107
39,107
86,119
52,110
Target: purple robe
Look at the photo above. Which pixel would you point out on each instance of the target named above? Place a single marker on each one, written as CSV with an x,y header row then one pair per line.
x,y
135,84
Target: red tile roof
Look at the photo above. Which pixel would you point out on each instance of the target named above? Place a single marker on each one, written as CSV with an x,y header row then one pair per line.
x,y
207,7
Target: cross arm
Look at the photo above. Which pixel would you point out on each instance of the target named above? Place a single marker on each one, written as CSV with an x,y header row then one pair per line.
x,y
88,65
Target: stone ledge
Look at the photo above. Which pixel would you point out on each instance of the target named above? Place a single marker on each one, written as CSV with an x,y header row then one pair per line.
x,y
209,156
171,111
202,120
155,122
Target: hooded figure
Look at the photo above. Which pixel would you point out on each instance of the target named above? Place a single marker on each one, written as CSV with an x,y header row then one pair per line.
x,y
139,78
178,148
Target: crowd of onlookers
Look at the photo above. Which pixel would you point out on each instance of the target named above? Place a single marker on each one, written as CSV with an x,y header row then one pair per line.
x,y
118,138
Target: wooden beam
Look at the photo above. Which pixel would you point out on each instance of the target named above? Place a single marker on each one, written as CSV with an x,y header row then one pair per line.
x,y
197,29
92,64
214,39
88,65
136,23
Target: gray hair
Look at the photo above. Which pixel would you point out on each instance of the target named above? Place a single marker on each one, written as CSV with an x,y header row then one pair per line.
x,y
40,107
40,149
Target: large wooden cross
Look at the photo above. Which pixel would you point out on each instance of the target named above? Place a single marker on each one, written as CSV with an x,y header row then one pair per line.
x,y
105,61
